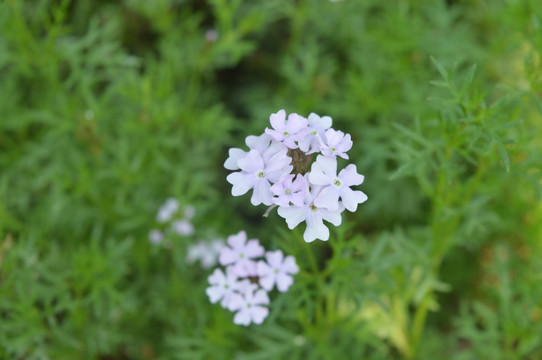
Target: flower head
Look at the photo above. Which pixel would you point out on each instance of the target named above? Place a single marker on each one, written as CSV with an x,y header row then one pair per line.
x,y
250,306
223,286
277,270
288,131
324,173
240,253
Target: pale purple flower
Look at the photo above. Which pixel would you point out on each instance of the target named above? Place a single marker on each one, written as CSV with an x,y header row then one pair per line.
x,y
289,191
155,236
324,173
182,227
167,210
257,174
240,253
250,306
263,144
277,270
312,215
287,132
312,141
336,143
223,286
211,35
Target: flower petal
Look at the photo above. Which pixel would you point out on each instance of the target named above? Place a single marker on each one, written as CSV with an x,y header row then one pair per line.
x,y
252,162
351,198
350,177
293,216
234,155
328,198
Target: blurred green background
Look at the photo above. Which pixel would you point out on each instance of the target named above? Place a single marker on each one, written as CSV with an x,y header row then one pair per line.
x,y
107,108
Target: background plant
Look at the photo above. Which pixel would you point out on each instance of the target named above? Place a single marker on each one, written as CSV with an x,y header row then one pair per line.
x,y
109,108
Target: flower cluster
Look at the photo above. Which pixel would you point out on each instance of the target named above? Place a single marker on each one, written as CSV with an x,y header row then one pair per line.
x,y
243,286
171,218
281,170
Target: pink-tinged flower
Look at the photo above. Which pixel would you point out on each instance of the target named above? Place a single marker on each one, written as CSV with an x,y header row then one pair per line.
x,y
182,227
277,270
287,132
257,174
312,141
324,173
336,143
289,191
250,306
223,287
312,215
240,253
155,236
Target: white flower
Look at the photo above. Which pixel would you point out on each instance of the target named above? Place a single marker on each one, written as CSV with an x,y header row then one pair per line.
x,y
257,174
336,143
312,141
182,227
223,286
288,132
324,173
155,236
167,210
312,215
250,306
289,191
240,253
277,270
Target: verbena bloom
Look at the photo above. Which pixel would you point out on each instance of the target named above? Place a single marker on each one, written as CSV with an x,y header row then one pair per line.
x,y
290,131
324,173
277,270
317,126
244,291
167,210
240,253
250,306
281,170
257,174
336,143
182,227
155,236
223,286
313,215
289,191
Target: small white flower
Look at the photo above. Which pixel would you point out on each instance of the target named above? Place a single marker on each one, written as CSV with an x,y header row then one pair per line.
x,y
312,215
211,35
240,253
250,306
257,174
336,143
155,236
288,132
182,227
312,141
277,270
223,286
324,173
167,210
